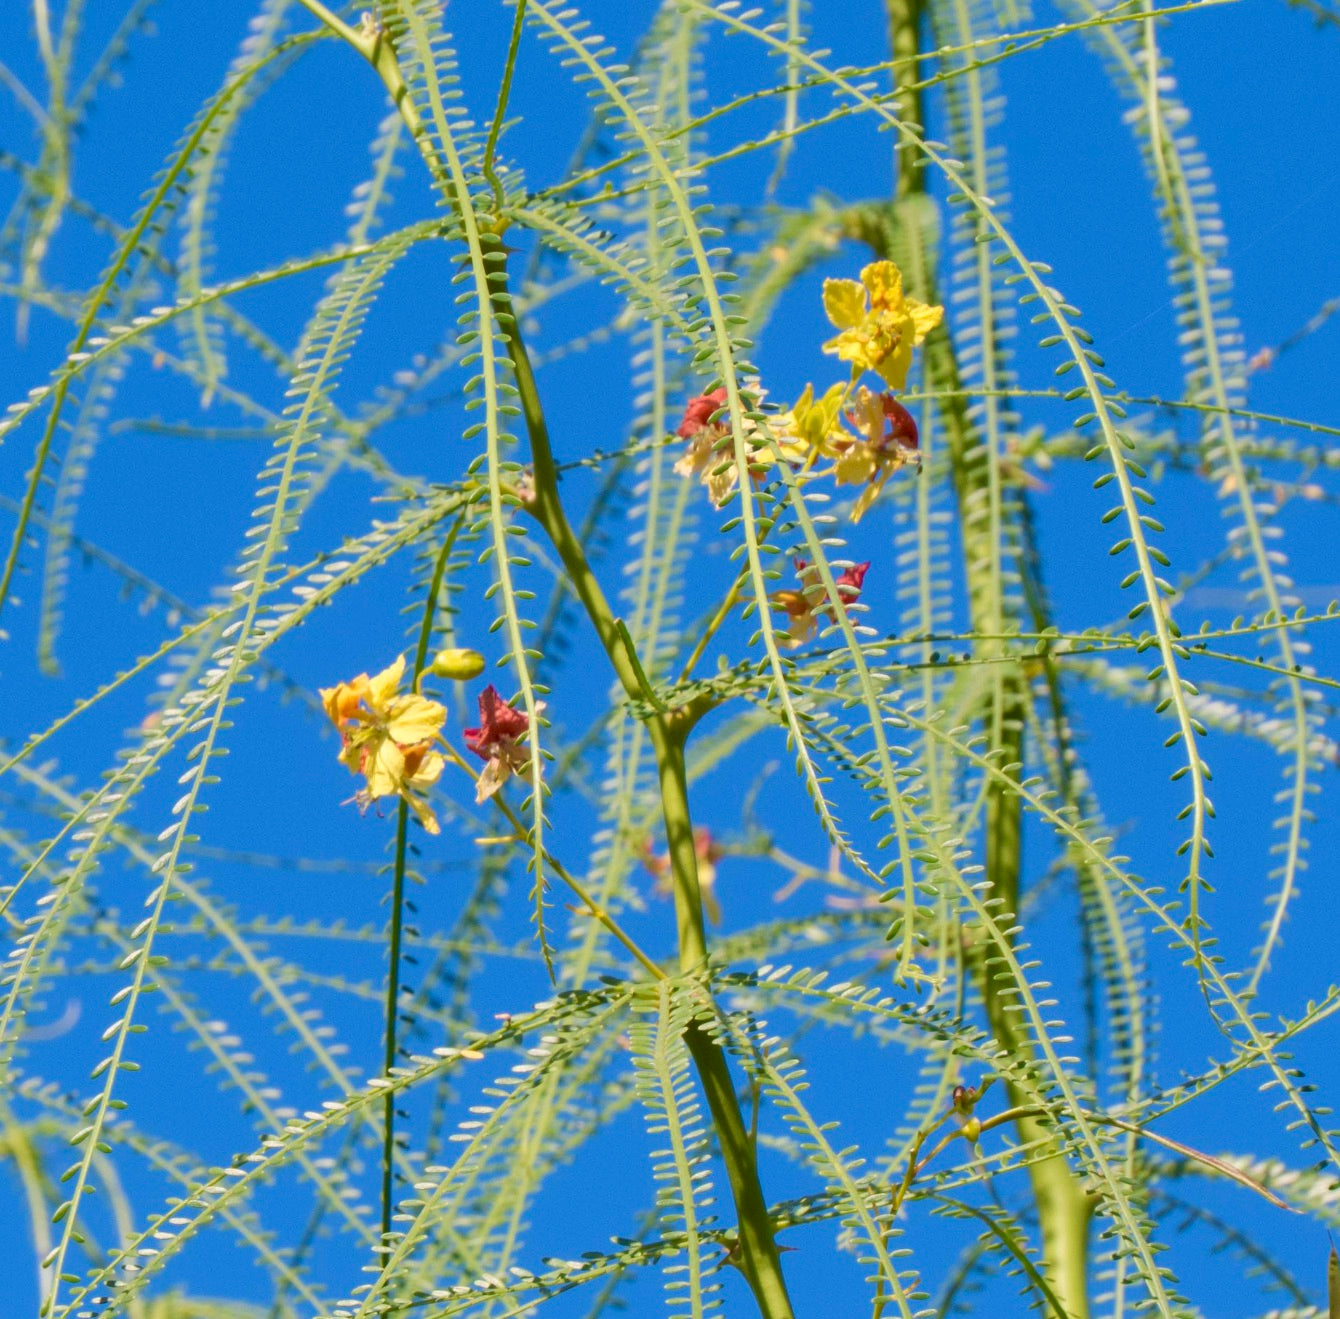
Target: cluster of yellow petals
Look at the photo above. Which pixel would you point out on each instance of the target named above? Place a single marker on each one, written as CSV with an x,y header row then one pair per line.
x,y
885,438
878,326
878,329
814,424
388,738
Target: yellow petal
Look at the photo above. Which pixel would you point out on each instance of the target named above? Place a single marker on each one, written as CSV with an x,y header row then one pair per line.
x,y
413,719
720,482
427,771
342,700
491,778
696,456
384,769
330,698
867,498
895,366
844,302
831,402
424,813
867,414
800,628
852,346
856,466
808,424
382,686
351,755
833,435
885,282
924,318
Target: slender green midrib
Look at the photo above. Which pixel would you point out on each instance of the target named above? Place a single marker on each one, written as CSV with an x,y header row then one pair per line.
x,y
1055,1190
760,1254
185,808
1173,182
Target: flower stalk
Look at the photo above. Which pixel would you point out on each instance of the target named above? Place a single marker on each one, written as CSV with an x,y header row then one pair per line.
x,y
759,1259
1064,1208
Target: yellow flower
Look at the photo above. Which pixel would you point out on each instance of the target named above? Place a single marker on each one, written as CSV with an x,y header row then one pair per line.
x,y
403,771
344,701
711,457
812,425
889,442
879,326
388,738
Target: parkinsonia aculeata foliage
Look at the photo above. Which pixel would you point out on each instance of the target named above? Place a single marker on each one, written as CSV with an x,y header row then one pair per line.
x,y
702,469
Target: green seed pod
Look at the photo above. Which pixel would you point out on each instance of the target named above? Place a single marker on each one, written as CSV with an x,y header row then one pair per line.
x,y
458,664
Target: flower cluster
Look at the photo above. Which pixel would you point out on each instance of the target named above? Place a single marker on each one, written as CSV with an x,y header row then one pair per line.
x,y
866,435
391,738
497,741
710,455
803,606
388,738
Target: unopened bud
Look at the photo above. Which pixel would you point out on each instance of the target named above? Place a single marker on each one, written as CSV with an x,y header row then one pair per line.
x,y
972,1130
458,664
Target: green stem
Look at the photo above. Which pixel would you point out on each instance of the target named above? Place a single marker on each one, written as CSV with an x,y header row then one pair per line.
x,y
392,1017
398,900
1064,1209
759,1259
904,18
373,45
683,854
504,94
593,908
714,624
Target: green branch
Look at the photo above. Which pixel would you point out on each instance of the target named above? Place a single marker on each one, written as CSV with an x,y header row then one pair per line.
x,y
760,1261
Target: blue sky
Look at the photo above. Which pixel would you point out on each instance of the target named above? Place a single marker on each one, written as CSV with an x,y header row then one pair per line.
x,y
1259,79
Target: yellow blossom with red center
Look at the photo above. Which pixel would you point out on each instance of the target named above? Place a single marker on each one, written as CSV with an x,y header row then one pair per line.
x,y
388,738
879,326
803,606
888,441
712,460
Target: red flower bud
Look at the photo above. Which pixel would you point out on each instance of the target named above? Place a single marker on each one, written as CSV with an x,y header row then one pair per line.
x,y
500,725
850,582
902,425
699,412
